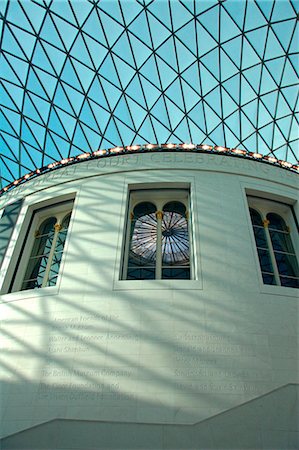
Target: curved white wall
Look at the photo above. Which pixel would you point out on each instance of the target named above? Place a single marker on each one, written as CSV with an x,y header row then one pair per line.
x,y
99,349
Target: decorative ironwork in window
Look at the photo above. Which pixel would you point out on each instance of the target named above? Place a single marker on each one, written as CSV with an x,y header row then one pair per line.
x,y
277,257
159,244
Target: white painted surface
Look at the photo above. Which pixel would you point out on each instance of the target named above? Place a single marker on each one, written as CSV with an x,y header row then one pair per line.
x,y
98,348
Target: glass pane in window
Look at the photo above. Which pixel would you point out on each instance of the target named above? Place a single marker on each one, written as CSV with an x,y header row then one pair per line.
x,y
143,236
287,264
178,273
276,222
260,237
281,241
175,239
143,273
291,282
265,261
255,217
268,278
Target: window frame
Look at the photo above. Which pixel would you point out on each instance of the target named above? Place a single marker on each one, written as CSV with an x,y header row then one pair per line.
x,y
19,250
159,198
134,183
284,208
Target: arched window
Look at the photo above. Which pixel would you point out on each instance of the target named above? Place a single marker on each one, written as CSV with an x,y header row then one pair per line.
x,y
44,262
278,261
159,238
41,256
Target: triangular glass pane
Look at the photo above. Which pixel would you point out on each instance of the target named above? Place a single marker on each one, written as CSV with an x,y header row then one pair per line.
x,y
114,93
198,116
236,10
12,96
291,96
228,28
167,74
137,112
214,100
125,72
26,40
263,116
101,114
175,114
36,13
56,56
190,97
97,94
48,81
122,48
159,32
76,98
49,33
284,32
160,112
97,51
140,23
126,131
233,50
267,82
182,131
180,15
122,111
88,117
6,122
69,31
151,92
147,132
56,125
84,74
37,130
160,10
232,87
13,118
254,17
185,57
114,10
69,122
63,10
208,81
79,51
257,38
273,48
70,76
10,44
206,41
211,61
282,12
167,53
228,68
82,10
93,28
16,14
41,59
109,71
149,71
289,76
162,132
175,94
115,29
41,105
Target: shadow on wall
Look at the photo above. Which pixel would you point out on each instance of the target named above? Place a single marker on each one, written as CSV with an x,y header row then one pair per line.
x,y
258,424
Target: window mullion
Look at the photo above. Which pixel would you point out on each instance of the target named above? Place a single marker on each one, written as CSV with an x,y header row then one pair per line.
x,y
159,216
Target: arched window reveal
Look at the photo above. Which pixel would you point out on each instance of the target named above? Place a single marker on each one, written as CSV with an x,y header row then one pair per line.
x,y
278,261
159,241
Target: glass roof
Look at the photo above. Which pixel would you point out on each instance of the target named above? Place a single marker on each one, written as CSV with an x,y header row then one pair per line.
x,y
82,75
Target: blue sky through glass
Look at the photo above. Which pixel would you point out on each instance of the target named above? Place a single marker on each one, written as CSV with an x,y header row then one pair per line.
x,y
82,75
